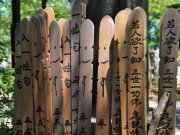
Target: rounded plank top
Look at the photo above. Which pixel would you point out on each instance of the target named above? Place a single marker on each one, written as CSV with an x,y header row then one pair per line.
x,y
43,13
120,31
171,17
51,14
87,42
43,34
135,32
35,27
61,23
106,34
54,34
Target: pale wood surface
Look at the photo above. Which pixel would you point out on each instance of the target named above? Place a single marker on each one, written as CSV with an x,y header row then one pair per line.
x,y
27,98
102,106
145,92
50,17
135,33
61,23
66,76
56,74
76,11
85,76
168,65
42,16
45,93
120,35
18,110
38,91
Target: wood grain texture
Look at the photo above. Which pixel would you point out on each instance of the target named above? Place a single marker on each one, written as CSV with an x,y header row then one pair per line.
x,y
76,21
135,33
85,77
56,75
27,98
50,17
18,110
120,36
66,77
145,92
43,16
102,106
45,82
168,65
61,23
37,69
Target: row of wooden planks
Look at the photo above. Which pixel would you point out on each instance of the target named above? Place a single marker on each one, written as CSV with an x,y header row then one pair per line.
x,y
54,73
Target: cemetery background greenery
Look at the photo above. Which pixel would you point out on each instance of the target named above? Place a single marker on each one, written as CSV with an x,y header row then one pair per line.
x,y
62,10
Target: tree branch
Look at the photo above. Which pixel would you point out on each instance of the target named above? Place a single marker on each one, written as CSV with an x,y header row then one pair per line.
x,y
158,112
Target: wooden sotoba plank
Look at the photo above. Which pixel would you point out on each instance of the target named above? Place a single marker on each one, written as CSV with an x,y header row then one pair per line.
x,y
27,98
75,47
120,35
135,37
85,76
61,23
168,65
45,91
145,92
37,69
102,106
18,110
56,74
50,17
66,76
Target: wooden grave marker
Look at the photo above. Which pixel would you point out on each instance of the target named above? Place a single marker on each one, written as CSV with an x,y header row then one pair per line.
x,y
168,65
120,28
27,98
135,33
18,110
50,17
56,81
37,69
43,17
102,106
45,92
61,23
85,76
66,77
76,10
145,91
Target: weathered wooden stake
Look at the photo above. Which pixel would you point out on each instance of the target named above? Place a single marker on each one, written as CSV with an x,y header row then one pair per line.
x,y
135,33
76,13
18,121
120,36
85,76
37,69
56,75
145,43
102,106
168,65
66,77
